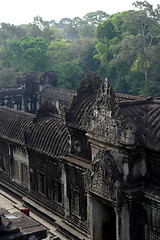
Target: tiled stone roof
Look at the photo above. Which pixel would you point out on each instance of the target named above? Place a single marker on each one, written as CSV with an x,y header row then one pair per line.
x,y
49,136
13,124
82,102
145,114
10,92
55,93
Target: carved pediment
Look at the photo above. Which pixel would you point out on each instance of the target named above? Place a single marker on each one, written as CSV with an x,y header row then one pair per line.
x,y
107,122
106,179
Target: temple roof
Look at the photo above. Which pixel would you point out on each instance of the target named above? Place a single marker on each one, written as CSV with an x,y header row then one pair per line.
x,y
56,93
145,114
10,92
13,123
46,134
49,136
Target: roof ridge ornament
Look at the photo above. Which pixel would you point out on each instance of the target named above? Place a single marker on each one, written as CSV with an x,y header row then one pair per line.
x,y
106,99
46,109
90,83
89,86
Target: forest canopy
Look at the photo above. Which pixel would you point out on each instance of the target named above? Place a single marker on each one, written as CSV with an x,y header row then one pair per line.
x,y
124,47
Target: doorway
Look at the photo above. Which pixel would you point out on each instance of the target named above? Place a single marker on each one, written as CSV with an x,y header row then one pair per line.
x,y
104,221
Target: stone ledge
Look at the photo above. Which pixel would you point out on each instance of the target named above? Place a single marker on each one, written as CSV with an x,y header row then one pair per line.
x,y
61,227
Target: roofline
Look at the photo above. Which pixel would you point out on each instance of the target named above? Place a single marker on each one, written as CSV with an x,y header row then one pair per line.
x,y
18,112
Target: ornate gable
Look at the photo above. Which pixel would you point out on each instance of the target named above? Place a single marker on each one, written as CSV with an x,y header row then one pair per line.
x,y
106,121
106,180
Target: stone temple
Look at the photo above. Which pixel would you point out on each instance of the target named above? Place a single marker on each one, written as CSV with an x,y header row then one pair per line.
x,y
93,168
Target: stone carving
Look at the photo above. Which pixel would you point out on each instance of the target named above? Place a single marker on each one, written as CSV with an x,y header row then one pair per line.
x,y
107,122
106,100
105,178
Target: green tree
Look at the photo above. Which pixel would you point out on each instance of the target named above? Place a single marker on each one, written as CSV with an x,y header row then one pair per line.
x,y
62,60
94,18
10,32
8,77
32,30
69,74
125,48
62,25
56,34
40,22
45,28
28,54
88,24
85,30
3,57
71,30
108,35
154,87
144,24
125,63
83,51
106,31
59,51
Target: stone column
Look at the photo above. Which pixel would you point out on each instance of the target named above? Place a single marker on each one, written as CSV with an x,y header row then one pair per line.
x,y
89,214
117,211
65,199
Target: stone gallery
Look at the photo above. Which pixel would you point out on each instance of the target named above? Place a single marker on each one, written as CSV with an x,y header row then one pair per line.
x,y
33,89
93,166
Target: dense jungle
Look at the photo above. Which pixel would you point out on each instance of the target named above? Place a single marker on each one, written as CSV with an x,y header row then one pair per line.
x,y
123,47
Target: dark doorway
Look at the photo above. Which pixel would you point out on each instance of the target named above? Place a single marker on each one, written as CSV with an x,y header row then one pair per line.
x,y
104,221
108,227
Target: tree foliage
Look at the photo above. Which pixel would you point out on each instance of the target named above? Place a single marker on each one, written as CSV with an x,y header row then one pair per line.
x,y
124,47
28,54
